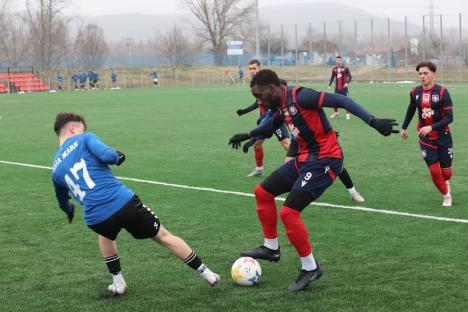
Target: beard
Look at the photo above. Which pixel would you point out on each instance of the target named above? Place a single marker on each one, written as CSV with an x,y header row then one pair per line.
x,y
275,103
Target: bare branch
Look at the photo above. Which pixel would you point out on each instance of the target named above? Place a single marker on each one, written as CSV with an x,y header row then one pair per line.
x,y
219,19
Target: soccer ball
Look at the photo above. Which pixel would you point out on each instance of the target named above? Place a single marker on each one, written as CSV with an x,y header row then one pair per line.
x,y
246,271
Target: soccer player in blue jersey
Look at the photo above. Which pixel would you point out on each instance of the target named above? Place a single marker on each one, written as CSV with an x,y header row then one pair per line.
x,y
154,75
83,78
342,77
96,78
435,113
241,75
81,168
59,79
319,160
91,79
114,79
75,79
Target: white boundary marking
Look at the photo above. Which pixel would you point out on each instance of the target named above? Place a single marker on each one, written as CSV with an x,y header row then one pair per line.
x,y
207,189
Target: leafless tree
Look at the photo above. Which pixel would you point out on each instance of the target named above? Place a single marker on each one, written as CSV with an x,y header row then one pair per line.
x,y
174,47
47,27
219,19
91,46
14,39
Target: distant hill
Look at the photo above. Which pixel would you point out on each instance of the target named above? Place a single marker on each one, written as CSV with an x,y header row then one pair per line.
x,y
140,26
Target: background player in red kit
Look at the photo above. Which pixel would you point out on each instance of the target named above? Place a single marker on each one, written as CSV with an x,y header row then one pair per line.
x,y
342,77
434,107
281,133
307,176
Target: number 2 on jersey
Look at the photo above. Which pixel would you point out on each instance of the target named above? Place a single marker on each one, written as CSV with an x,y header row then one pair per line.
x,y
74,187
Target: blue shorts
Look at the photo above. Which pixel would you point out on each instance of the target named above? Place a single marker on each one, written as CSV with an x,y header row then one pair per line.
x,y
440,150
312,176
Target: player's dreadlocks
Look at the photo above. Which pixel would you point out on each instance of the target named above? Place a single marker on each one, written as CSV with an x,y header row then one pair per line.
x,y
265,77
63,118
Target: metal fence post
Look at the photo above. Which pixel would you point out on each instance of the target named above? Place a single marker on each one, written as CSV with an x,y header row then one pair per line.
x,y
389,59
441,52
406,48
282,46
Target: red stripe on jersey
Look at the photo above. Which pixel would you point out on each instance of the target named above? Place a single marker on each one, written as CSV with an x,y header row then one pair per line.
x,y
448,108
339,77
429,145
327,142
322,95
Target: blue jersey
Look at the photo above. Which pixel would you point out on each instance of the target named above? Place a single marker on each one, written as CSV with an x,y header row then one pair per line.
x,y
154,75
81,168
83,77
114,77
59,78
75,77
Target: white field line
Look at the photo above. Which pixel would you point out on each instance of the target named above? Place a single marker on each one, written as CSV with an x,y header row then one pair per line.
x,y
207,189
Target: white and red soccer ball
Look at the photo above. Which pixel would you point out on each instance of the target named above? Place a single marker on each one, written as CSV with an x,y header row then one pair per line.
x,y
246,271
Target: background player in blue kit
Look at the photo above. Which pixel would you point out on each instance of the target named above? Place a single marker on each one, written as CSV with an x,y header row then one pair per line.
x,y
114,79
80,167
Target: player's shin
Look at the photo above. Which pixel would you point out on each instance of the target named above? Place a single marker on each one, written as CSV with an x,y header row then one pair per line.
x,y
438,178
259,157
298,236
266,211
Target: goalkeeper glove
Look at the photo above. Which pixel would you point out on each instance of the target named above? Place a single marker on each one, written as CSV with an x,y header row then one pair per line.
x,y
384,126
240,112
121,158
246,146
236,139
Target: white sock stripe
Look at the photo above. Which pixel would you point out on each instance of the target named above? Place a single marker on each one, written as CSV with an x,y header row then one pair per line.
x,y
191,257
111,258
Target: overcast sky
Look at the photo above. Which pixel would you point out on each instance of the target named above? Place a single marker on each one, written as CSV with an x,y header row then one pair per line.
x,y
392,8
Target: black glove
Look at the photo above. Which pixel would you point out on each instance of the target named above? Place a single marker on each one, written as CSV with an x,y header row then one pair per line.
x,y
240,112
384,126
236,139
71,213
249,144
121,158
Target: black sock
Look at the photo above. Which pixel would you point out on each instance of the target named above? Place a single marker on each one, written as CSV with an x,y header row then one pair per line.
x,y
113,264
193,261
346,179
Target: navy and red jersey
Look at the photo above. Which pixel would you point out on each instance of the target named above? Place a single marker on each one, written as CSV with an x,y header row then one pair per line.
x,y
434,109
314,134
301,108
341,75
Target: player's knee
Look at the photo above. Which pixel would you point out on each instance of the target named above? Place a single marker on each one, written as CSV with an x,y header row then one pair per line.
x,y
261,194
287,214
163,235
258,144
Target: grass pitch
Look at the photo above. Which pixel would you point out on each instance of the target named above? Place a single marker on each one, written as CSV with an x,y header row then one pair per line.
x,y
372,261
